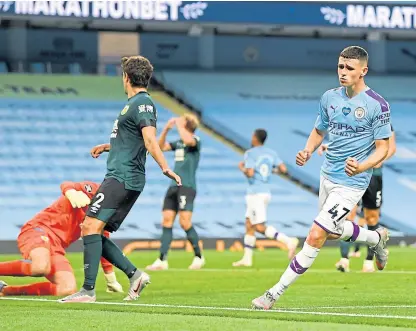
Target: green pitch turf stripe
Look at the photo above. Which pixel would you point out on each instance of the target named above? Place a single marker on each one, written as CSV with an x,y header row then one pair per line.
x,y
281,311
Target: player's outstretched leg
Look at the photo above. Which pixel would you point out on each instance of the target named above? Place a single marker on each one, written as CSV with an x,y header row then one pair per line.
x,y
167,235
298,266
377,240
35,289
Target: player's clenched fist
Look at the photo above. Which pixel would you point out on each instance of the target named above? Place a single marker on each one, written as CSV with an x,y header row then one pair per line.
x,y
302,157
352,167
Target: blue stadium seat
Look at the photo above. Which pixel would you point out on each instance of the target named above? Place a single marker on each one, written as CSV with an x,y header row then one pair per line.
x,y
45,143
75,68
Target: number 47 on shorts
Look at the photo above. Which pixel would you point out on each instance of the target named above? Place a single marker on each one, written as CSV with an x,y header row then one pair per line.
x,y
335,211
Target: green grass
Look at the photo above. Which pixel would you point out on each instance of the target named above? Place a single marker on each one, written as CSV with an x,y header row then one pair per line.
x,y
178,299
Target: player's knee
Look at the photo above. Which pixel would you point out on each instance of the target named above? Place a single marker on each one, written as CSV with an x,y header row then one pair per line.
x,y
260,228
185,223
92,226
316,237
167,223
41,268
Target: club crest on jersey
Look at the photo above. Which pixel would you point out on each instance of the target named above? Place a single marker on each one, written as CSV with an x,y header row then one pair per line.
x,y
125,109
346,110
88,188
359,113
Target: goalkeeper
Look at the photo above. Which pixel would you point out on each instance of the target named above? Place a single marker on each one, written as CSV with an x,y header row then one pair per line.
x,y
42,242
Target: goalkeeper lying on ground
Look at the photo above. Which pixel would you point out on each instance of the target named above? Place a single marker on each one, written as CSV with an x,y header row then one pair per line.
x,y
43,240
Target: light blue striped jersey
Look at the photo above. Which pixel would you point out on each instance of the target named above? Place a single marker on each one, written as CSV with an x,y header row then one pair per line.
x,y
352,125
262,159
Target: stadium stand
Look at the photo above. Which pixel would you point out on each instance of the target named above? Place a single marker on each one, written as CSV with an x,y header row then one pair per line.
x,y
47,142
268,100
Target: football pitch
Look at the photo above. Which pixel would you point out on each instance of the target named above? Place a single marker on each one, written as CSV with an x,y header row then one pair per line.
x,y
219,297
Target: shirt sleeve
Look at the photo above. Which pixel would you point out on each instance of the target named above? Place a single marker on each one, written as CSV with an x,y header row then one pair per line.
x,y
381,123
144,115
249,161
198,143
322,120
173,145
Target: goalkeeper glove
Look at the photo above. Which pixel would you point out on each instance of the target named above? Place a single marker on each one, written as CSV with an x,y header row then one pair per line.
x,y
78,199
113,286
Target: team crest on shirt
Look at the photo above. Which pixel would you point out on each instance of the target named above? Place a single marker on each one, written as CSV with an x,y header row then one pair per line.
x,y
346,110
125,109
88,188
359,113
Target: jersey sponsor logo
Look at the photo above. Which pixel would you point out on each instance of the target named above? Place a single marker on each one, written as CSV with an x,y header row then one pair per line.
x,y
346,110
359,113
125,110
114,131
383,118
145,109
346,127
333,108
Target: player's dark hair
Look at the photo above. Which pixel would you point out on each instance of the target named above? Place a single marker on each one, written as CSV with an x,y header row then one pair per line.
x,y
355,52
261,135
138,69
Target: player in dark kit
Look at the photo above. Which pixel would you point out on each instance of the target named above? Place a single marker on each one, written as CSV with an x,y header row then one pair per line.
x,y
181,199
133,134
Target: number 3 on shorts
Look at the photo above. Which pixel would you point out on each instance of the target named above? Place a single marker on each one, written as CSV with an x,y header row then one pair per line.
x,y
336,210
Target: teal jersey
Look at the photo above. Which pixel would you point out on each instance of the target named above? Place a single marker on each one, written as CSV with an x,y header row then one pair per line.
x,y
127,157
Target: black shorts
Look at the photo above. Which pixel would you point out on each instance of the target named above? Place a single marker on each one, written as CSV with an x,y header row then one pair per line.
x,y
372,198
179,198
112,203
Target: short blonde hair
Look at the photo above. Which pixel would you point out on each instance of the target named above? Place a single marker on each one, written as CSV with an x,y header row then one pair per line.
x,y
192,121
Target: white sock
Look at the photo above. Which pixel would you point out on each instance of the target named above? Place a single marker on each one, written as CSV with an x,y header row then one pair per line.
x,y
301,262
249,245
272,233
355,233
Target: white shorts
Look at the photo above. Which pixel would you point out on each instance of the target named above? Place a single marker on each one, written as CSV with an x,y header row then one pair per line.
x,y
335,202
257,207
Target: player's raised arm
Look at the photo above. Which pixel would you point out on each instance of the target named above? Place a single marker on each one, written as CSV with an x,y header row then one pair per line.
x,y
152,146
163,144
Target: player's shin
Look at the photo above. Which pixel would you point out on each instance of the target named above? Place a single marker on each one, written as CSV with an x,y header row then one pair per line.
x,y
249,245
166,240
354,233
36,289
19,268
300,263
92,254
113,254
345,249
370,252
193,238
272,233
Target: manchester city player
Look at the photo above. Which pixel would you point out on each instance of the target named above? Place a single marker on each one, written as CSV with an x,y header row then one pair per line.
x,y
357,122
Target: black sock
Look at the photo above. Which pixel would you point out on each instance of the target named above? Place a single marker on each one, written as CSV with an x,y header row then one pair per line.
x,y
115,256
370,252
166,241
194,240
345,249
92,254
357,247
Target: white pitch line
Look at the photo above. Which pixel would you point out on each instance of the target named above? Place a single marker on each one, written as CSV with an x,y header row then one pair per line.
x,y
246,269
281,311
